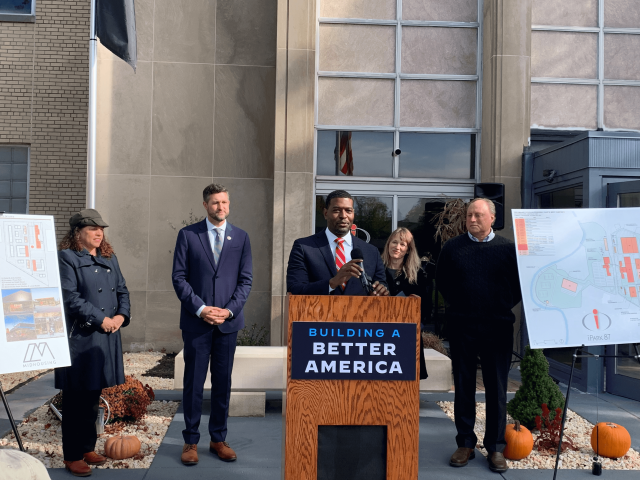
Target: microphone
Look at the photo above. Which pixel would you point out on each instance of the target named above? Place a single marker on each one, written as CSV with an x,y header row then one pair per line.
x,y
356,253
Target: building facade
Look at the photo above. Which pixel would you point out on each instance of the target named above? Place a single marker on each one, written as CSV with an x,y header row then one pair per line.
x,y
424,98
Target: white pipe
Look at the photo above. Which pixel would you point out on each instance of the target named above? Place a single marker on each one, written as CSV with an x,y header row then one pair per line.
x,y
93,89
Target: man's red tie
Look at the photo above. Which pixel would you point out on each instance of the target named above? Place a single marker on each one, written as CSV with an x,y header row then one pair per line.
x,y
340,256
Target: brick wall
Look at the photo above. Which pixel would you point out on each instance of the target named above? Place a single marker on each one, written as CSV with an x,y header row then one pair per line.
x,y
44,93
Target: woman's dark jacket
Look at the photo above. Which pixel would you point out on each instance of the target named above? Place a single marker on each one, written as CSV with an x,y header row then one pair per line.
x,y
92,288
422,289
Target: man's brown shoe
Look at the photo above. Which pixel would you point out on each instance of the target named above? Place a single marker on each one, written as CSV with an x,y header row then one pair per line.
x,y
497,463
189,454
462,456
224,451
93,458
79,468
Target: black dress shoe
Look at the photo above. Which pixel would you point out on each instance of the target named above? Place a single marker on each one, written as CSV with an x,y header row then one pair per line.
x,y
462,456
497,462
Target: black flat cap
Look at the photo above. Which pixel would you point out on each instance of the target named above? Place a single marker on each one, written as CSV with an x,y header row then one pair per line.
x,y
87,217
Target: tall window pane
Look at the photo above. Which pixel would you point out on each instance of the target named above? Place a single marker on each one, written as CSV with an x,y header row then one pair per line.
x,y
437,155
357,154
416,214
373,217
14,171
20,7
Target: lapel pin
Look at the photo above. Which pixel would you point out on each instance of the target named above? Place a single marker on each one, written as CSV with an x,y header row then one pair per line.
x,y
228,238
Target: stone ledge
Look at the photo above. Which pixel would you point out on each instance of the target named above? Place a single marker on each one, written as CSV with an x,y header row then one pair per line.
x,y
257,369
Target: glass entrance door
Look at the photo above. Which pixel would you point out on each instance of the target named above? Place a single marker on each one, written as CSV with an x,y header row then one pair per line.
x,y
623,374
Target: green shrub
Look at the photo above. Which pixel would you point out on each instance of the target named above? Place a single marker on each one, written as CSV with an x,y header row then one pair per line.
x,y
537,388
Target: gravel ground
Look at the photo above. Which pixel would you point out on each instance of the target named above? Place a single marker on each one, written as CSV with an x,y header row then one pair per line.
x,y
11,380
42,436
576,427
138,363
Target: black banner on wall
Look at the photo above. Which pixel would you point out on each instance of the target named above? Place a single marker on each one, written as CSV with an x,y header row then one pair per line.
x,y
353,351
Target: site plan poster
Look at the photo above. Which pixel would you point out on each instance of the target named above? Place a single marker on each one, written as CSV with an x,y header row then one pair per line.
x,y
580,275
33,334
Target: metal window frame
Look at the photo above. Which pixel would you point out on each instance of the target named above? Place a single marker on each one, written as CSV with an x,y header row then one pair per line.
x,y
384,186
20,17
28,147
600,81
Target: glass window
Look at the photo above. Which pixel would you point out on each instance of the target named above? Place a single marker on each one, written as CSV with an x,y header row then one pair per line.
x,y
16,7
437,155
566,198
416,214
629,199
14,171
373,218
629,367
357,154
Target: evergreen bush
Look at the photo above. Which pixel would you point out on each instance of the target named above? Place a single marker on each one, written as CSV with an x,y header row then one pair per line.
x,y
537,388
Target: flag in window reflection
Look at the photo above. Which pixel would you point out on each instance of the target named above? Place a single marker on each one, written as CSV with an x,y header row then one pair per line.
x,y
344,153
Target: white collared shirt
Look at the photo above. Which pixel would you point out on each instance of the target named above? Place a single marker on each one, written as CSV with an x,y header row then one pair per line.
x,y
212,240
488,238
347,245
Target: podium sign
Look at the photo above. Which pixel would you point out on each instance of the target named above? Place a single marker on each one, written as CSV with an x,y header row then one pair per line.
x,y
353,351
380,398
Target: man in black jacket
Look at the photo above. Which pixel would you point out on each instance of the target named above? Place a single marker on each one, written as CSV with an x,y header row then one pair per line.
x,y
477,274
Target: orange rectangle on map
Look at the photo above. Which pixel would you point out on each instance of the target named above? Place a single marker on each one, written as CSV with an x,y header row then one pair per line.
x,y
632,292
629,244
569,285
34,265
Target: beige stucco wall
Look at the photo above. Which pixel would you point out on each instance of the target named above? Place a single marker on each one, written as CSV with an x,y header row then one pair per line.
x,y
199,109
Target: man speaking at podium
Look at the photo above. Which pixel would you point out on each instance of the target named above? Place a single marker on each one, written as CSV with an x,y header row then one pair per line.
x,y
321,264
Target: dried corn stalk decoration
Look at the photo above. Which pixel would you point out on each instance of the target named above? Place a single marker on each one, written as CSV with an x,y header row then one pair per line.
x,y
452,221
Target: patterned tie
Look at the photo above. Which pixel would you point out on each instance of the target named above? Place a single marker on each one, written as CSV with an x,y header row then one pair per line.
x,y
340,256
217,245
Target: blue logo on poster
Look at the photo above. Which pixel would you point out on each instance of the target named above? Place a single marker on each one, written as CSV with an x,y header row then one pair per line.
x,y
353,351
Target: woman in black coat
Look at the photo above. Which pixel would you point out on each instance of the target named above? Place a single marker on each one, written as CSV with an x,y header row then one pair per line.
x,y
407,276
96,305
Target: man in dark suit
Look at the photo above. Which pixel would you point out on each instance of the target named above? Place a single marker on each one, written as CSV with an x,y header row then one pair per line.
x,y
322,265
212,278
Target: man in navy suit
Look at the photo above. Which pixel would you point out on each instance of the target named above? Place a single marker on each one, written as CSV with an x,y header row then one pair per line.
x,y
212,278
322,265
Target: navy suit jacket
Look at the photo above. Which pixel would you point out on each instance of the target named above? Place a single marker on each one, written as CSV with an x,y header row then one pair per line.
x,y
311,266
198,281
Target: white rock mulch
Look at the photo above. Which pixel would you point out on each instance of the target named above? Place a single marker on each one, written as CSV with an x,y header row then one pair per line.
x,y
42,436
138,363
576,427
10,380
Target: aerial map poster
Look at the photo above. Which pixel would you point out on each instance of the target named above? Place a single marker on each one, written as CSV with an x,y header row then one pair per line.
x,y
580,275
33,333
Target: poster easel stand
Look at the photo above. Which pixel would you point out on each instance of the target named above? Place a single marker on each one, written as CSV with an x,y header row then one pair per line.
x,y
10,415
566,400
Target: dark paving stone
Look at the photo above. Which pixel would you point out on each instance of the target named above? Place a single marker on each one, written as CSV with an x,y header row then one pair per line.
x,y
25,400
256,440
124,474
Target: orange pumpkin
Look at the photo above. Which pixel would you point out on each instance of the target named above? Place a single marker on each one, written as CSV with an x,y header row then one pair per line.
x,y
122,447
610,440
519,441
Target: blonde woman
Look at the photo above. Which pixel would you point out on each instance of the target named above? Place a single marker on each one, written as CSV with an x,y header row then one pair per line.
x,y
407,276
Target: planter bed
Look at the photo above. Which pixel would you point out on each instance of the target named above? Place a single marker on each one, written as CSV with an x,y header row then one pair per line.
x,y
576,427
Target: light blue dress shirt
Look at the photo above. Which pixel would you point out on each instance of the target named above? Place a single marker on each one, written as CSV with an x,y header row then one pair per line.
x,y
212,240
488,238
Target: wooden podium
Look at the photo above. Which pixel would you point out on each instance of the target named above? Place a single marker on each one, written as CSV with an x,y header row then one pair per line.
x,y
310,403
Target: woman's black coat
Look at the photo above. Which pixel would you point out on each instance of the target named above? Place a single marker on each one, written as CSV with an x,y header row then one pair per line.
x,y
92,288
422,289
